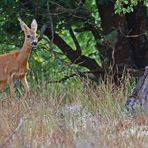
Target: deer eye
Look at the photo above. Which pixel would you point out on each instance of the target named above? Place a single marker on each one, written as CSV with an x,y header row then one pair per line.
x,y
28,36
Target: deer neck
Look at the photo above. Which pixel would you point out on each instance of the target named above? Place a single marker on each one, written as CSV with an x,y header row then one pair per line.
x,y
24,52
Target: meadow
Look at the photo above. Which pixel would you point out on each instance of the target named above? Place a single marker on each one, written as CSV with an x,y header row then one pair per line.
x,y
76,39
73,114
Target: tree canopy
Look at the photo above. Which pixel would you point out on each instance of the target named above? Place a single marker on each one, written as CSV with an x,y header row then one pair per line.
x,y
81,37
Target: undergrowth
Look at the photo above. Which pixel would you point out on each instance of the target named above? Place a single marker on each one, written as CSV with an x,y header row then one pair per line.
x,y
72,114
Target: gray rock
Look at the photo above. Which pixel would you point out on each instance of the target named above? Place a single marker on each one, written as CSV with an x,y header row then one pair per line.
x,y
139,96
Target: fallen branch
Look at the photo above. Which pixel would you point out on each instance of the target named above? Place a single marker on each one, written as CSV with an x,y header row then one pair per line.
x,y
79,74
135,72
132,72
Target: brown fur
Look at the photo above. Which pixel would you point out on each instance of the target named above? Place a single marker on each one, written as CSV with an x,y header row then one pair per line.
x,y
14,65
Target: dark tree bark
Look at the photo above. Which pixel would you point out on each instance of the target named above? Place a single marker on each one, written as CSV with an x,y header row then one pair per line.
x,y
131,48
74,56
137,22
116,53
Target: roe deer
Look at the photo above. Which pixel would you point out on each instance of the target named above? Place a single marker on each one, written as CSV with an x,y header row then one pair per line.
x,y
14,65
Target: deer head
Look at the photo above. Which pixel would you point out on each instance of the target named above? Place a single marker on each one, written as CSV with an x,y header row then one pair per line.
x,y
30,33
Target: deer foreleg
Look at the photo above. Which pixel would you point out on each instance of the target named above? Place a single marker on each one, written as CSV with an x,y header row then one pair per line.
x,y
11,86
26,86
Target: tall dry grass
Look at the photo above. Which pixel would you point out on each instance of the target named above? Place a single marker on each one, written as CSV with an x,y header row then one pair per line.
x,y
76,114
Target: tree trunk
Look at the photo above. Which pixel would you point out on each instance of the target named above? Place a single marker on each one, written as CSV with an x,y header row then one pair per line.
x,y
131,47
116,52
137,26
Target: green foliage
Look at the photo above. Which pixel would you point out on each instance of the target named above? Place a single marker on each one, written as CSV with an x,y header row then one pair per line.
x,y
88,47
47,59
111,38
50,63
146,3
126,6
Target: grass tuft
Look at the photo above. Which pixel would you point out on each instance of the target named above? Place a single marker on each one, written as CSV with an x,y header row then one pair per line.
x,y
75,114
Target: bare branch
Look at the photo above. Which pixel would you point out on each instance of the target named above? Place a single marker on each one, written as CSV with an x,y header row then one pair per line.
x,y
132,72
132,36
72,55
76,12
50,22
82,29
135,72
78,74
78,48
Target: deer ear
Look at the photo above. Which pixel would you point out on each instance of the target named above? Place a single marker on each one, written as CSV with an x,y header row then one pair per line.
x,y
23,25
34,25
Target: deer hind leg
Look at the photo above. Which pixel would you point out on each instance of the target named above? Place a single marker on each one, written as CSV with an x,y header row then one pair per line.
x,y
2,84
11,86
26,86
